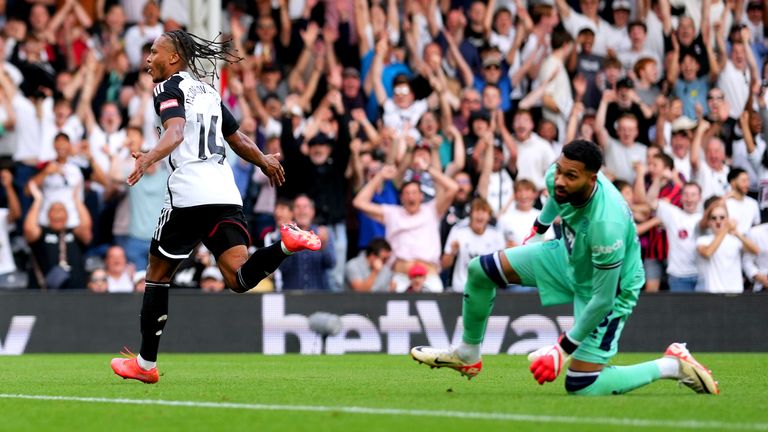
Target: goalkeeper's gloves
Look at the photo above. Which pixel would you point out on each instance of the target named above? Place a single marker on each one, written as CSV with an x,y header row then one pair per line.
x,y
537,232
533,237
548,361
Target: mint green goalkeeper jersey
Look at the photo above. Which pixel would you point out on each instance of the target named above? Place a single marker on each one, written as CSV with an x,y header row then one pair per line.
x,y
600,234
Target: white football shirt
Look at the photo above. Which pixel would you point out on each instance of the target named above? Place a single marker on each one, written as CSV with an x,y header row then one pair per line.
x,y
199,174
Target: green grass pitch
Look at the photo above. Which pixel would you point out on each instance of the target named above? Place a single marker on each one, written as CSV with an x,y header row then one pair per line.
x,y
233,392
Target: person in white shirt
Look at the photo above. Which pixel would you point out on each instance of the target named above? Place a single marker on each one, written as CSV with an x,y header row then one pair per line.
x,y
606,36
680,225
61,181
720,250
557,100
58,117
147,30
9,213
743,208
737,73
756,265
119,272
402,111
712,172
678,147
534,154
517,217
620,155
638,33
470,239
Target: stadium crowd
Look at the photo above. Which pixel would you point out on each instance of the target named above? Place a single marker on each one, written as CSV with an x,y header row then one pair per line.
x,y
415,135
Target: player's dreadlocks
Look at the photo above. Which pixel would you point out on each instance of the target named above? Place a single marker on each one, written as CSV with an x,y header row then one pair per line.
x,y
195,51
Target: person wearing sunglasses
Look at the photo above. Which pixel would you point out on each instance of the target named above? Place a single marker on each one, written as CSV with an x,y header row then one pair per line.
x,y
719,250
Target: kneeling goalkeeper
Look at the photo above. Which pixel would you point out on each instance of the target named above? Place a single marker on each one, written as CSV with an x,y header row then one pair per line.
x,y
596,265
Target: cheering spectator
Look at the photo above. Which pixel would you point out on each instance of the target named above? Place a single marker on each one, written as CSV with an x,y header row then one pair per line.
x,y
620,155
518,215
10,211
738,73
720,249
57,250
685,75
712,172
557,99
146,30
661,169
459,208
756,265
534,155
413,226
748,151
680,144
587,66
681,227
61,181
743,208
607,38
467,240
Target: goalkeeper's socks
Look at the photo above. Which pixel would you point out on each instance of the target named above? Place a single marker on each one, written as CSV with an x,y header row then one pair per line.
x,y
669,367
469,353
260,265
154,315
144,364
483,276
612,379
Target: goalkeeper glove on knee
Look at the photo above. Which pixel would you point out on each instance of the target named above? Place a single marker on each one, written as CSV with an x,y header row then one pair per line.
x,y
548,361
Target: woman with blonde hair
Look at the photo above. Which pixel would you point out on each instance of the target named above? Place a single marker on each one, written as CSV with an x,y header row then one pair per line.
x,y
719,250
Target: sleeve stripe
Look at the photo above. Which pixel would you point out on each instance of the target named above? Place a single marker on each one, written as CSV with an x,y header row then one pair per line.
x,y
608,266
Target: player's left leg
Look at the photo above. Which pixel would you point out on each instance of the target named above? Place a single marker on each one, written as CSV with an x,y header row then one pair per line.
x,y
677,363
228,242
589,375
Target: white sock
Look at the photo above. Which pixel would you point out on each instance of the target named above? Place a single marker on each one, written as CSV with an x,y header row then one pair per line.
x,y
285,250
669,367
146,365
470,353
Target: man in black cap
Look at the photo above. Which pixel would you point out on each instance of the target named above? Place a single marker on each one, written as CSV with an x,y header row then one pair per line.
x,y
626,101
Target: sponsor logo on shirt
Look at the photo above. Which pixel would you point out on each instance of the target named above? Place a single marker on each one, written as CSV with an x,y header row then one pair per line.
x,y
682,234
598,249
170,103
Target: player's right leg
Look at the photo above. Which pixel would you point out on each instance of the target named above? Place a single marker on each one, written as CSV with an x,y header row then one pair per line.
x,y
176,235
479,293
154,315
520,265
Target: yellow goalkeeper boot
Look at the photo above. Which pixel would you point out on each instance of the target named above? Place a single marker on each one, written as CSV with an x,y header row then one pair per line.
x,y
439,358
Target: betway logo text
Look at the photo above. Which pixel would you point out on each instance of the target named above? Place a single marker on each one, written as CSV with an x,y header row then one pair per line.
x,y
362,334
15,342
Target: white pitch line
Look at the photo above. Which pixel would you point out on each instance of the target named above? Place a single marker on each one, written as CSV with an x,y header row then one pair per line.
x,y
511,417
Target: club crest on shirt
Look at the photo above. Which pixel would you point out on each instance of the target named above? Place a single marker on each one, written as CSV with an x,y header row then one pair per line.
x,y
170,103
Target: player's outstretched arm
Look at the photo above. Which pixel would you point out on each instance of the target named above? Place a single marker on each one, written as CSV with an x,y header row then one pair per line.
x,y
249,151
171,138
